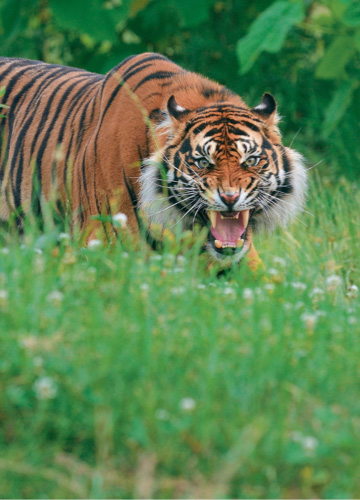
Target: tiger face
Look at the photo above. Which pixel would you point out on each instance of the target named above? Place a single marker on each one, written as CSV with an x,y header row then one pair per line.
x,y
223,166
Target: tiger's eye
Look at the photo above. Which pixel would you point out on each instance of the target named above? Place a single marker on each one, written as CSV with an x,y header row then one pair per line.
x,y
252,161
203,163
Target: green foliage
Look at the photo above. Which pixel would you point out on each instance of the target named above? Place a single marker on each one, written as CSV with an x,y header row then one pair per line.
x,y
89,17
336,57
306,53
269,31
2,92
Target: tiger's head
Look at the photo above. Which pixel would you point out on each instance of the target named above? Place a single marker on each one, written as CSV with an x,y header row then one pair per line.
x,y
222,166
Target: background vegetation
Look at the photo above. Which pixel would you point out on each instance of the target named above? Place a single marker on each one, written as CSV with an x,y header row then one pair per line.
x,y
305,52
129,374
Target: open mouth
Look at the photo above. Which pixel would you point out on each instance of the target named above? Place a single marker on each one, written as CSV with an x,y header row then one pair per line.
x,y
228,230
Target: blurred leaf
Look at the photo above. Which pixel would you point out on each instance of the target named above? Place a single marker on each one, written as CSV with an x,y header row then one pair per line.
x,y
357,39
339,104
88,16
11,18
352,14
268,31
332,65
137,6
191,15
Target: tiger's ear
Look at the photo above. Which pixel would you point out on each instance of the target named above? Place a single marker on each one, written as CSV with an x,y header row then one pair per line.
x,y
267,109
175,110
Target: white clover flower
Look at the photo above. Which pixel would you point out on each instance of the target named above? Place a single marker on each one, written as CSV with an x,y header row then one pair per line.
x,y
94,244
201,286
156,257
309,443
5,251
273,272
352,320
45,388
29,342
309,320
181,260
333,282
4,295
144,287
248,294
298,285
125,255
121,219
38,251
55,297
280,261
352,292
269,287
299,305
179,290
64,237
177,270
228,290
162,414
317,293
320,314
187,404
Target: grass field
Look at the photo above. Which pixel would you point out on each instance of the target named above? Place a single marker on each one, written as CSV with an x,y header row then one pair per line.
x,y
125,373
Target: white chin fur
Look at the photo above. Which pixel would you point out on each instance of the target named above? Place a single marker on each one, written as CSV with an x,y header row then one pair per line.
x,y
290,204
227,260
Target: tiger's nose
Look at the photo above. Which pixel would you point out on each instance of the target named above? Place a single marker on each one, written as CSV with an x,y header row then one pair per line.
x,y
229,198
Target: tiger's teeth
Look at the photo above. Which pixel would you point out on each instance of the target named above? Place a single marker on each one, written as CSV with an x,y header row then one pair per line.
x,y
218,244
240,243
237,215
245,217
212,217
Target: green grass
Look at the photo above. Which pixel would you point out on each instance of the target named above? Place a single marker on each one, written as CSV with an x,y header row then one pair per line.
x,y
125,373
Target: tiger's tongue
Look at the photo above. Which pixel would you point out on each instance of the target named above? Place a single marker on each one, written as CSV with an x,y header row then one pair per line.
x,y
228,230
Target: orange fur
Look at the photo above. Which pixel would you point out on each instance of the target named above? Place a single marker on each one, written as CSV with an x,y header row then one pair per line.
x,y
85,136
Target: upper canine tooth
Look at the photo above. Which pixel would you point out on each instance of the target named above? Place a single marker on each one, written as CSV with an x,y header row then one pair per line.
x,y
245,217
237,215
212,217
218,244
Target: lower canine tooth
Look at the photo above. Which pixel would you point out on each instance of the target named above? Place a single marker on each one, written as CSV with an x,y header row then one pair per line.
x,y
218,244
240,243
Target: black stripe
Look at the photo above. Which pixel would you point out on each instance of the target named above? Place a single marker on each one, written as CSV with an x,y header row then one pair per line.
x,y
84,91
159,75
250,125
152,57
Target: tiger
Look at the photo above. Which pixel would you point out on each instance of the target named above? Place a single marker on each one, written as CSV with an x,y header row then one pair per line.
x,y
164,146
